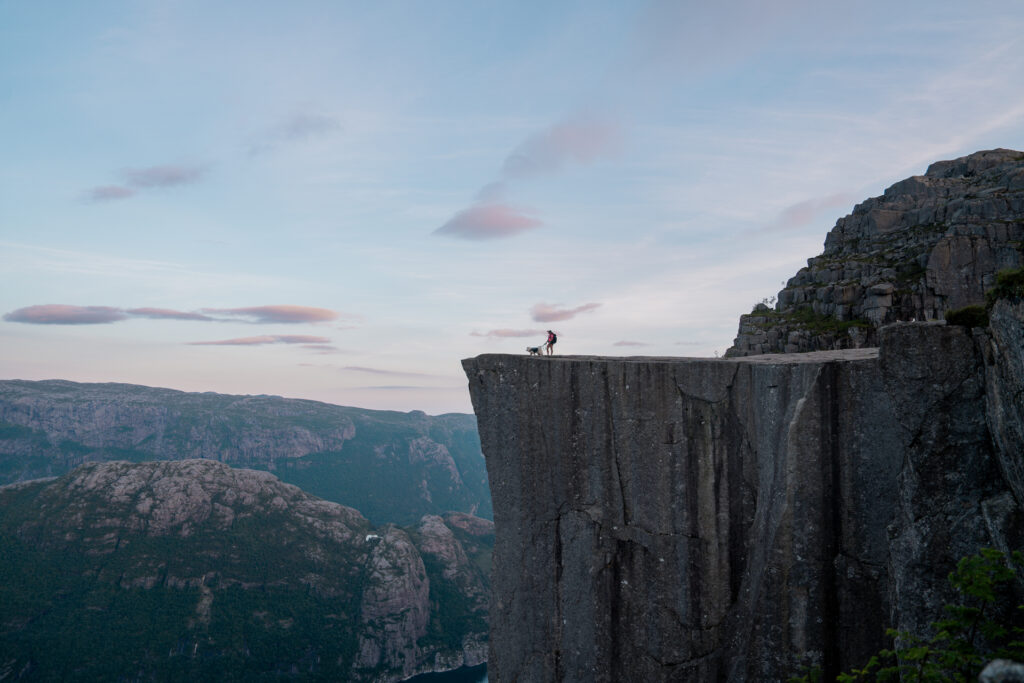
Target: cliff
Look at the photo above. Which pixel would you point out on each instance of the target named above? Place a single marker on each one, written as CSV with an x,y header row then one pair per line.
x,y
929,244
674,519
393,467
196,570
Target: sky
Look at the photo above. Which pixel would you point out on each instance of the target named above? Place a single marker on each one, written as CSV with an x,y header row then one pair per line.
x,y
340,200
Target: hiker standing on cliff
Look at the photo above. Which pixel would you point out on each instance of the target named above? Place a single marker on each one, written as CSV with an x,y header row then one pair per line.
x,y
550,345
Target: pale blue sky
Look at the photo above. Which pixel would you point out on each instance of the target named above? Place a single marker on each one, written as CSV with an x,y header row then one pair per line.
x,y
340,200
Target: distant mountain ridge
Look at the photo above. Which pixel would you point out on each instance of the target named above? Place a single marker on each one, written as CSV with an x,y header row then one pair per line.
x,y
195,570
391,466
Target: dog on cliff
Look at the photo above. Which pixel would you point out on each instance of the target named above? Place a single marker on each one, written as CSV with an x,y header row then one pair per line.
x,y
533,350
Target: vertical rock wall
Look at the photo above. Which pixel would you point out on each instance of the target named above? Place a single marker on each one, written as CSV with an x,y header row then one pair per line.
x,y
702,519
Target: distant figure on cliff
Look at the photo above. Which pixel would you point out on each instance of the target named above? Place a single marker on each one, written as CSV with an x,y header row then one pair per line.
x,y
550,345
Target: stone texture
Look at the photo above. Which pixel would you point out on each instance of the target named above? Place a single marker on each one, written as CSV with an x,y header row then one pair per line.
x,y
685,519
1002,671
929,244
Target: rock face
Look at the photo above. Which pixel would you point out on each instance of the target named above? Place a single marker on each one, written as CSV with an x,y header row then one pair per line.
x,y
393,467
193,569
731,520
929,244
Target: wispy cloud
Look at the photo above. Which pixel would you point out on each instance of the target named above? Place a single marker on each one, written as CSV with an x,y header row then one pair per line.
x,y
265,339
548,313
629,343
107,193
298,127
576,140
379,371
504,332
801,214
488,221
146,178
167,175
324,349
167,314
278,314
60,314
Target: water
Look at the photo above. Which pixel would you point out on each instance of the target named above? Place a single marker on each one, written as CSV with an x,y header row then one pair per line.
x,y
467,674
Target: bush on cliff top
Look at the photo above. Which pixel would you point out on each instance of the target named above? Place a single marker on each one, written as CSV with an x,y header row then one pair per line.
x,y
968,316
1009,285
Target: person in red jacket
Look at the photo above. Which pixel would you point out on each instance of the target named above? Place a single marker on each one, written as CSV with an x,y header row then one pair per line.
x,y
552,338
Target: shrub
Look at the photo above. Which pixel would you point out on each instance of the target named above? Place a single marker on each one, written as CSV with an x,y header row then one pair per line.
x,y
977,628
968,316
1009,285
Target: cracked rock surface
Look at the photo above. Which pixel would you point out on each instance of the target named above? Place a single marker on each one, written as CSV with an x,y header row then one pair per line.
x,y
671,519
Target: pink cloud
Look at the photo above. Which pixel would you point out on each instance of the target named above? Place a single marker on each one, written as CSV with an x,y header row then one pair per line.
x,y
59,314
167,175
547,313
507,333
166,314
580,140
629,343
266,339
278,314
488,221
106,193
801,214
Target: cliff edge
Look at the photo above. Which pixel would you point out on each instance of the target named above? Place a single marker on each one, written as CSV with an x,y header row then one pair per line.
x,y
673,519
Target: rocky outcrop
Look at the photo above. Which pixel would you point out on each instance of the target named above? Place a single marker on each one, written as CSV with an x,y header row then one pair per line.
x,y
929,244
427,465
193,569
673,519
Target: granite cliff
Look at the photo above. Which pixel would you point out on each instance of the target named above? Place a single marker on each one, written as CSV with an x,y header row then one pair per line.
x,y
735,519
392,467
929,244
196,570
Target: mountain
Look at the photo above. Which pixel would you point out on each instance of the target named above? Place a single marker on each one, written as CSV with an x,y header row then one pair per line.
x,y
928,245
195,570
737,519
392,467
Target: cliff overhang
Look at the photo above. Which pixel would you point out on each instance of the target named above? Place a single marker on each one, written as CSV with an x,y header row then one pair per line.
x,y
734,519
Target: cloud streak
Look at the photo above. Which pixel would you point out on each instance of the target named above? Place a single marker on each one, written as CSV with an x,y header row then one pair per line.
x,y
265,339
166,314
576,140
108,193
629,343
488,221
801,214
60,314
505,333
379,371
548,313
166,175
278,314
